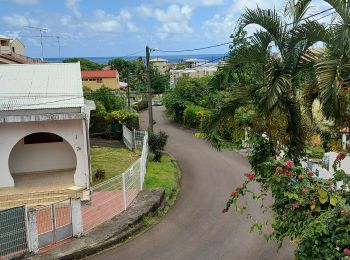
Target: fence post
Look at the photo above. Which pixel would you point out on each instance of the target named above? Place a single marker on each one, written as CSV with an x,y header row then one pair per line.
x,y
134,139
77,217
32,231
124,190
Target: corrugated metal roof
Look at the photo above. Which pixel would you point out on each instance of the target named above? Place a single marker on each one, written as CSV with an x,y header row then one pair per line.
x,y
40,86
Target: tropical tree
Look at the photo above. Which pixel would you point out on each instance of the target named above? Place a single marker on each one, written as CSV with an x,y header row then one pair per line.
x,y
333,67
279,76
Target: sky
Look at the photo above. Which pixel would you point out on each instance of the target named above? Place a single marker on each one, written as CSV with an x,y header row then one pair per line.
x,y
105,28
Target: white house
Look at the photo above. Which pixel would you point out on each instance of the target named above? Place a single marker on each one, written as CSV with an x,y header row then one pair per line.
x,y
44,124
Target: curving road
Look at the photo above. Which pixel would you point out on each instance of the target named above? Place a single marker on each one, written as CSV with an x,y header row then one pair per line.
x,y
195,228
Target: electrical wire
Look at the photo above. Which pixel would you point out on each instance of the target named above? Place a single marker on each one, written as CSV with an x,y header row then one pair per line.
x,y
195,49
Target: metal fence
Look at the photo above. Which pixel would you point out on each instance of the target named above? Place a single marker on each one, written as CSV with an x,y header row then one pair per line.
x,y
111,197
13,232
128,138
54,222
133,139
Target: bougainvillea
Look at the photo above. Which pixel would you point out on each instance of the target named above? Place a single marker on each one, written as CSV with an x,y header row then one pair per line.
x,y
312,212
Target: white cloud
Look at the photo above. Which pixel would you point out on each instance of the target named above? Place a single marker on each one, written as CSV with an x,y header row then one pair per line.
x,y
132,27
220,26
23,2
239,6
144,10
106,22
73,6
174,19
17,20
197,2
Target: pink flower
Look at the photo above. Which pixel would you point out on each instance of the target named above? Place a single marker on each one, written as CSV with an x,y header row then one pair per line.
x,y
234,194
340,156
289,173
310,173
249,175
295,205
346,251
304,190
289,164
300,177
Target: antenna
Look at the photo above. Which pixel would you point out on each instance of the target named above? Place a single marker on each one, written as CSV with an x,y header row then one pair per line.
x,y
41,30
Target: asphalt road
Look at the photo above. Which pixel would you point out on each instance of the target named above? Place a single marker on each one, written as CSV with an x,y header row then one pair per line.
x,y
195,228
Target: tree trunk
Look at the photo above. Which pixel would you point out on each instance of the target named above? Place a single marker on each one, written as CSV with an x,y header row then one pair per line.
x,y
297,142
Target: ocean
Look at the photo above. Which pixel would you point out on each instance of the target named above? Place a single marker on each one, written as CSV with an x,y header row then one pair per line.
x,y
170,58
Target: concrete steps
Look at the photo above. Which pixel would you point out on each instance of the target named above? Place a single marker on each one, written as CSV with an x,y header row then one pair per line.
x,y
33,199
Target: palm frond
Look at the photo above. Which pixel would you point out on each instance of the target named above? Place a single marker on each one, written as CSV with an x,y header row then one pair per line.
x,y
297,11
268,19
273,92
327,73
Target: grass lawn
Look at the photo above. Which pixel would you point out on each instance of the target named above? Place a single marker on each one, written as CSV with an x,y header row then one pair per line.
x,y
162,174
113,160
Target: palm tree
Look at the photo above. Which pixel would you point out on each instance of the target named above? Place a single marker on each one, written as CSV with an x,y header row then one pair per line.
x,y
279,77
333,67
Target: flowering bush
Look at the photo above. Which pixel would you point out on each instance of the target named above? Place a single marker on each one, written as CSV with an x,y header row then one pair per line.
x,y
130,119
312,212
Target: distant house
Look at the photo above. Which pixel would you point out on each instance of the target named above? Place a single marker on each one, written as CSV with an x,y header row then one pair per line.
x,y
197,72
94,79
12,51
160,64
44,130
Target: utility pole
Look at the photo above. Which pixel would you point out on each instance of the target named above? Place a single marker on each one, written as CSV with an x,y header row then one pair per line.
x,y
149,90
59,46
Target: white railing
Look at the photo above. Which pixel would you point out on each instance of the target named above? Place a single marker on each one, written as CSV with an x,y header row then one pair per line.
x,y
113,196
133,139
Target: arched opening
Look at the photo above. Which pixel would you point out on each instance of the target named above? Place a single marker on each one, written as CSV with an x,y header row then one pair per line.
x,y
42,160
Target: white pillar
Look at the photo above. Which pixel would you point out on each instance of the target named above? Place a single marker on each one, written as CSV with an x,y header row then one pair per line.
x,y
344,141
124,190
77,217
32,231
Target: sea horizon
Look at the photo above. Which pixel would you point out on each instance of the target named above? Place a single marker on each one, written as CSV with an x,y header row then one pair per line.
x,y
170,58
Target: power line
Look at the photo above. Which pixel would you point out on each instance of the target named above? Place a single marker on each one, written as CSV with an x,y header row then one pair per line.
x,y
305,18
195,49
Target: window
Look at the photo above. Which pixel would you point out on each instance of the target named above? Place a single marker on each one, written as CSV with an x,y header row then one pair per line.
x,y
13,49
41,138
99,80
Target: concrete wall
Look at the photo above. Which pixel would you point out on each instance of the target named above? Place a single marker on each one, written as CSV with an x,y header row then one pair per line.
x,y
41,157
344,164
73,131
112,83
18,46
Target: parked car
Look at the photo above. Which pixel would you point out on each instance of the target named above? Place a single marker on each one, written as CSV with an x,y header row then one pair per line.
x,y
157,103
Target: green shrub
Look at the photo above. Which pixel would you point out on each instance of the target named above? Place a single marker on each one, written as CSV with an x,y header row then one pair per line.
x,y
141,105
156,144
130,119
99,120
192,116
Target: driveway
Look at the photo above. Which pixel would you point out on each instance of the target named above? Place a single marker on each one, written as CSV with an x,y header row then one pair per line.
x,y
195,228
